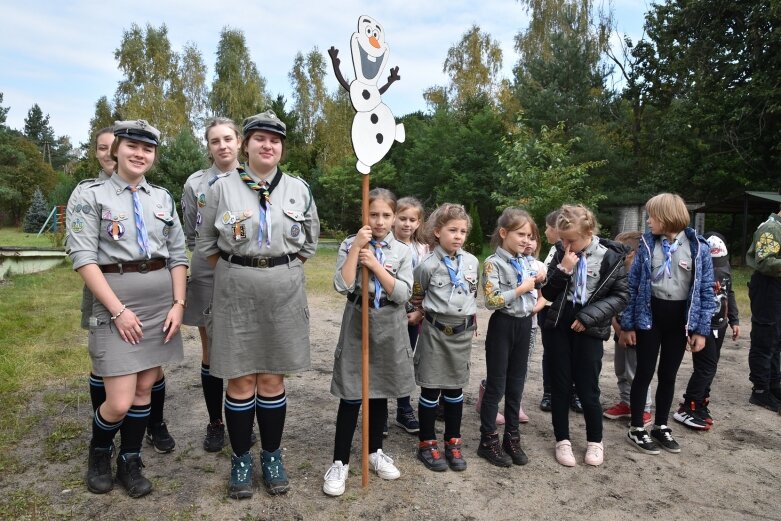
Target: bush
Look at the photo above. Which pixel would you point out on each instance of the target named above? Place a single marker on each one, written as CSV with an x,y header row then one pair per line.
x,y
474,241
37,213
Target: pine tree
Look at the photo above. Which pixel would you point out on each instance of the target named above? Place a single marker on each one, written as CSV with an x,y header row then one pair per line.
x,y
37,213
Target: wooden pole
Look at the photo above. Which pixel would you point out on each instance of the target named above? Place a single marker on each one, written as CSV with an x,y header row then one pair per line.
x,y
365,347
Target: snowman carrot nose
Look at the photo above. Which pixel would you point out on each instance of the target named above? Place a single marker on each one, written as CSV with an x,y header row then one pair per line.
x,y
374,41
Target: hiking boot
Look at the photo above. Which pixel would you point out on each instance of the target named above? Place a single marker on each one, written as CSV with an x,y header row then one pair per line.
x,y
574,403
642,441
663,436
129,475
564,453
490,450
99,479
687,415
595,453
157,435
431,456
335,479
407,421
618,411
765,398
383,465
512,447
241,477
453,455
704,412
545,403
215,437
274,475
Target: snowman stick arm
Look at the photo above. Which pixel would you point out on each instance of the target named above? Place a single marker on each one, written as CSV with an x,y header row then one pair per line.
x,y
334,53
393,76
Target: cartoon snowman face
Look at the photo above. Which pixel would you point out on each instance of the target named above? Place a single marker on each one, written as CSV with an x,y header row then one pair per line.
x,y
369,54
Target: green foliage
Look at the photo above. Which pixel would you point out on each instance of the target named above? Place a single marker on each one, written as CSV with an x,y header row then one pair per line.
x,y
238,91
62,190
540,174
473,66
37,127
309,91
37,213
475,240
22,170
3,112
88,166
178,159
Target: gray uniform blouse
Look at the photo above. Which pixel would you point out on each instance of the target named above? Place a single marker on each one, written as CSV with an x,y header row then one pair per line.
x,y
499,282
440,296
675,287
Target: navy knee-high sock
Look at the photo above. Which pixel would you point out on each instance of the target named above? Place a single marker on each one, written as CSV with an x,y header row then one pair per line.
x,y
212,394
271,413
427,413
158,401
239,417
103,431
454,409
133,427
97,391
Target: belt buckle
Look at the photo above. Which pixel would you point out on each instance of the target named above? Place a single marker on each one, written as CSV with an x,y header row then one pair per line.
x,y
143,267
448,330
263,263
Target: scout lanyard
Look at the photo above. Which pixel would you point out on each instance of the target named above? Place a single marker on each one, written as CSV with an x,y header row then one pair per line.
x,y
264,199
455,274
380,256
519,271
666,268
142,238
581,278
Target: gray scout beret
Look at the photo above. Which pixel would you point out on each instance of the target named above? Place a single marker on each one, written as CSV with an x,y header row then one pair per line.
x,y
137,130
267,121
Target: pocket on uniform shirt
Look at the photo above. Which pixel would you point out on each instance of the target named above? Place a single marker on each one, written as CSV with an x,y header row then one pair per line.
x,y
294,224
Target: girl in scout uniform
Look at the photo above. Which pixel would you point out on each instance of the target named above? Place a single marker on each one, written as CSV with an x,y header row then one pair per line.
x,y
222,142
446,280
157,431
587,287
258,227
390,355
129,249
508,287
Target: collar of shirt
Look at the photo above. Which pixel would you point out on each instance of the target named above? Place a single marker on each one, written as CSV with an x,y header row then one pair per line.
x,y
441,253
506,255
257,178
103,175
592,247
122,185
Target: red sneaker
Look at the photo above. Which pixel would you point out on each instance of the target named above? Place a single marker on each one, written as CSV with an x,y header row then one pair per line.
x,y
618,411
647,418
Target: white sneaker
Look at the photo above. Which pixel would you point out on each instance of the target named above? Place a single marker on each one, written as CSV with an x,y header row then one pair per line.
x,y
335,478
383,465
595,453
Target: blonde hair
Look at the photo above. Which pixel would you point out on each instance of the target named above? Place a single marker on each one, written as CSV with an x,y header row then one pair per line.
x,y
670,210
215,122
445,213
577,217
512,219
405,203
631,239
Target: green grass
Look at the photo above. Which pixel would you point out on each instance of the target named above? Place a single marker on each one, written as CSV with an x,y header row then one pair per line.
x,y
740,277
16,237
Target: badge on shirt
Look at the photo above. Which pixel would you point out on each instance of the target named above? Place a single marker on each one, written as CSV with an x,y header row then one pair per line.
x,y
201,200
228,218
165,217
106,216
198,219
77,209
683,264
77,225
239,232
115,230
295,231
86,209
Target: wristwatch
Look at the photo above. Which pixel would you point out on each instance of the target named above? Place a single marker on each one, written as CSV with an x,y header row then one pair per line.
x,y
181,301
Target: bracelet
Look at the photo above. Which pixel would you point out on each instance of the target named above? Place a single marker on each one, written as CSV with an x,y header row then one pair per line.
x,y
564,270
124,307
181,302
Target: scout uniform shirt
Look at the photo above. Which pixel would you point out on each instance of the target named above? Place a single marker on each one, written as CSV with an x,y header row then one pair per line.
x,y
764,255
231,219
433,283
397,261
500,279
73,208
105,231
194,200
678,286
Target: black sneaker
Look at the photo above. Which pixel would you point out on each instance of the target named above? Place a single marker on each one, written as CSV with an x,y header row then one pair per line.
x,y
545,403
704,412
99,479
407,421
512,446
157,435
215,437
765,398
642,441
129,475
776,391
431,456
491,450
454,456
687,415
663,435
241,476
274,475
574,403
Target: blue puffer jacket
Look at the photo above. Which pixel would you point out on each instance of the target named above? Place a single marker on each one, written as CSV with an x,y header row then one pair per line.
x,y
701,301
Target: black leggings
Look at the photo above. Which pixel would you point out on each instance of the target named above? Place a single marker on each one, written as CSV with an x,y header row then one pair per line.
x,y
705,363
666,340
346,421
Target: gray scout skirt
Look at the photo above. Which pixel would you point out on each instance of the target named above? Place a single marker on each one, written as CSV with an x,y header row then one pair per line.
x,y
442,361
260,320
390,355
150,297
199,291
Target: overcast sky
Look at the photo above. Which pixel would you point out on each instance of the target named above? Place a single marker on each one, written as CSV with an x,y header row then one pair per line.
x,y
61,54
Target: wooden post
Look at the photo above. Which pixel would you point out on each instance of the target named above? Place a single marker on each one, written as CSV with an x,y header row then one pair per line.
x,y
365,346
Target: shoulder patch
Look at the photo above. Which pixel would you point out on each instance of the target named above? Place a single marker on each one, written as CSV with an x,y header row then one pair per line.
x,y
767,246
85,181
218,177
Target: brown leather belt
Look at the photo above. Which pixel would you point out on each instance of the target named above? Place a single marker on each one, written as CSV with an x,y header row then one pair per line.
x,y
450,330
134,267
257,262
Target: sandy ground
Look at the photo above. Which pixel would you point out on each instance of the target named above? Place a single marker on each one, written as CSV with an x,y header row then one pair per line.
x,y
731,472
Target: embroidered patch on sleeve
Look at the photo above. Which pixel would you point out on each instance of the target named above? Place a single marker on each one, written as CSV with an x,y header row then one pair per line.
x,y
767,246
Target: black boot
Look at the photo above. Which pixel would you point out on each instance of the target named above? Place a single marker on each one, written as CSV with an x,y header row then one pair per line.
x,y
512,446
491,450
99,479
129,475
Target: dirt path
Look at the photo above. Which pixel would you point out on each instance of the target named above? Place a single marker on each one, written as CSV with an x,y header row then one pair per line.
x,y
731,472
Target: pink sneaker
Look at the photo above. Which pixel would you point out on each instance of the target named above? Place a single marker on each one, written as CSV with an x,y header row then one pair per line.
x,y
595,453
564,453
522,417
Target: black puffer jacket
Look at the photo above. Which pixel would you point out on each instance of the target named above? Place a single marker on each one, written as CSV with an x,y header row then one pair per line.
x,y
607,301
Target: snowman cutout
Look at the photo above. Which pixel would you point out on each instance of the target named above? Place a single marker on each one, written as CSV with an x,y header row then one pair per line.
x,y
374,127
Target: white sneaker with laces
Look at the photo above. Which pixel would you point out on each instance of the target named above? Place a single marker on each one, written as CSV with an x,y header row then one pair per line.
x,y
383,465
335,479
595,453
